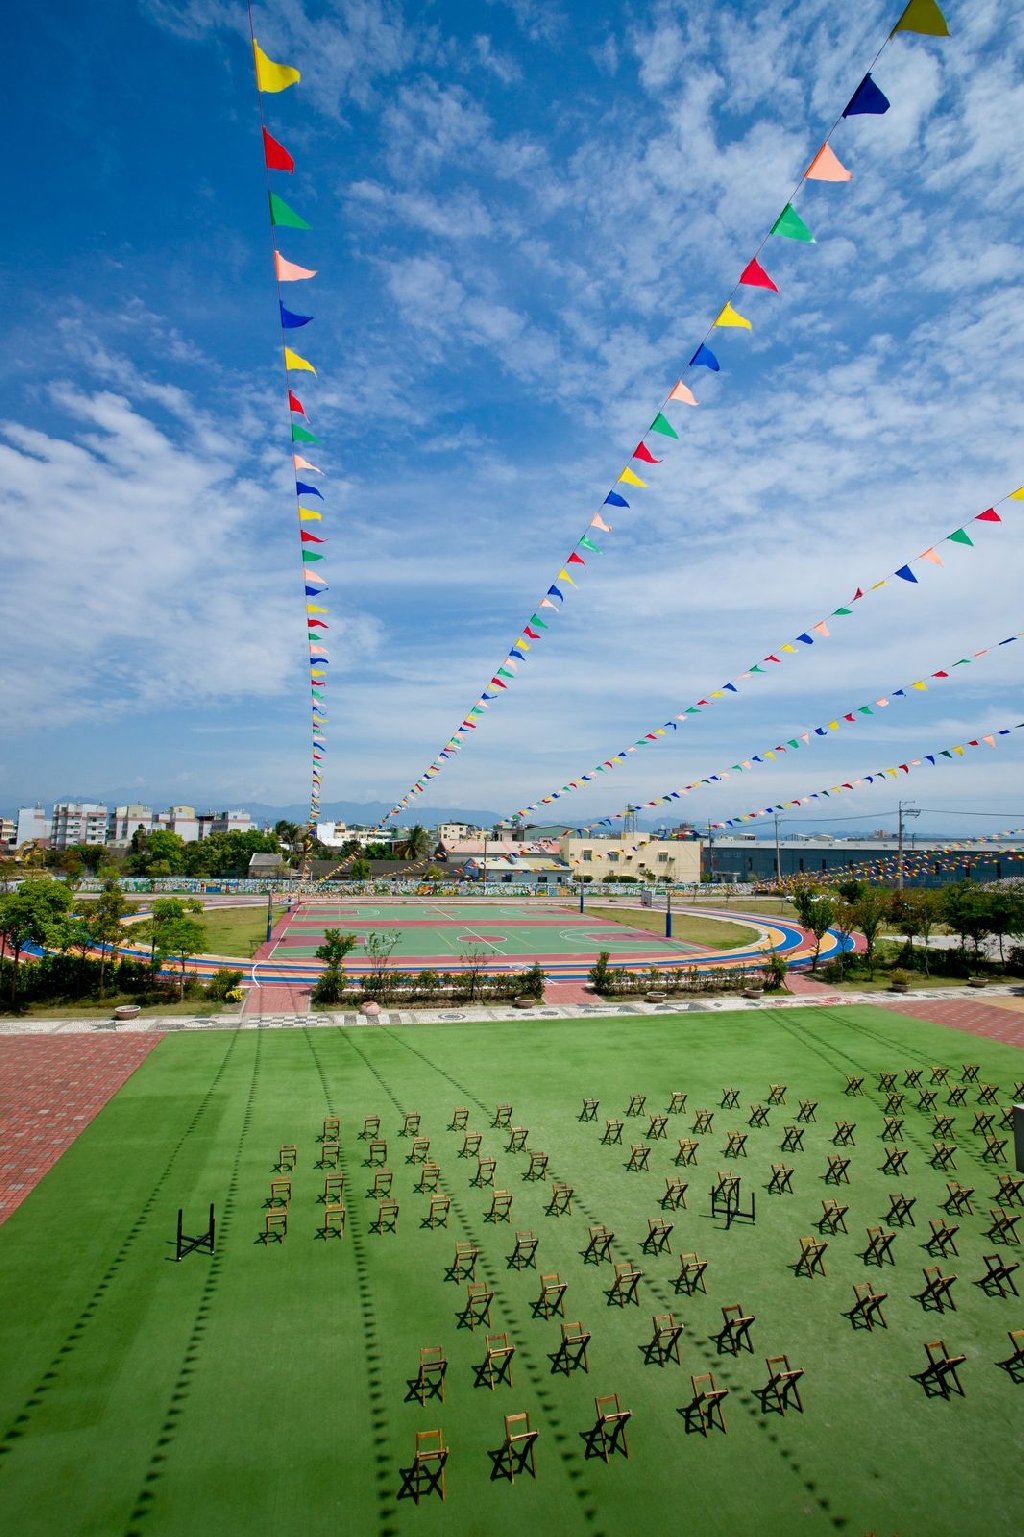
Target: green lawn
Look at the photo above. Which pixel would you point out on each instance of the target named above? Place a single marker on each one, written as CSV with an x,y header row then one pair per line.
x,y
267,1390
696,931
236,930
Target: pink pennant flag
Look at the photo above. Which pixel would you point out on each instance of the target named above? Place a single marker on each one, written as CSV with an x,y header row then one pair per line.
x,y
547,603
990,740
598,522
304,464
826,167
681,392
821,628
931,555
288,272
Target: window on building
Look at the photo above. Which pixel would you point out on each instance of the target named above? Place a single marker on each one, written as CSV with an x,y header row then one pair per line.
x,y
663,859
613,857
588,855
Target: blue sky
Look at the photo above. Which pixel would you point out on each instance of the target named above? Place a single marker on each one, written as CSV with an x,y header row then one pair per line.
x,y
525,216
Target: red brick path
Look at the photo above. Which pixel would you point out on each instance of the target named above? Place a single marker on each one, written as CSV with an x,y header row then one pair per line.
x,y
986,1019
50,1089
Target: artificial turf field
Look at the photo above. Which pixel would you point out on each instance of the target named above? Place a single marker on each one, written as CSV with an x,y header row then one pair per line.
x,y
267,1389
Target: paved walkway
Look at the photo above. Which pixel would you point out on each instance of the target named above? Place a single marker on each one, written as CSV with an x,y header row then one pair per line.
x,y
50,1089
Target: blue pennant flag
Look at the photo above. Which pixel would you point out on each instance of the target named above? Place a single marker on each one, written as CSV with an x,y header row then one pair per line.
x,y
613,499
867,98
705,358
292,322
301,489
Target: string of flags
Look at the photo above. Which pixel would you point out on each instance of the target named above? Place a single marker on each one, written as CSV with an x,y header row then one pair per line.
x,y
807,738
794,647
915,862
919,16
272,78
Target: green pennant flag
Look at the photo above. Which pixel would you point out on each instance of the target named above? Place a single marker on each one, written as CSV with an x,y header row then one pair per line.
x,y
793,742
757,669
836,611
960,537
865,709
922,16
790,224
664,426
590,545
300,435
280,213
691,709
503,673
539,622
308,555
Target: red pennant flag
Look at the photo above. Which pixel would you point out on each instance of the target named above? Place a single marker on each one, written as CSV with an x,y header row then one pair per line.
x,y
575,559
310,538
641,451
755,276
991,516
278,158
295,404
531,633
858,594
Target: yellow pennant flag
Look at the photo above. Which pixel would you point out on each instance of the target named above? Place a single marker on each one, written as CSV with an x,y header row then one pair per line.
x,y
294,362
1018,495
729,317
307,512
270,76
631,479
311,608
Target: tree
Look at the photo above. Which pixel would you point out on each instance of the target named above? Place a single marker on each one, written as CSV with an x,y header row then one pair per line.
x,y
817,911
359,869
26,917
915,911
417,844
165,912
330,985
104,918
71,932
180,939
870,907
161,847
379,949
967,911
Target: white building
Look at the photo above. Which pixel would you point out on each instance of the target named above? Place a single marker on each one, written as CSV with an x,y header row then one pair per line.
x,y
457,832
8,828
639,855
33,825
77,822
123,822
332,834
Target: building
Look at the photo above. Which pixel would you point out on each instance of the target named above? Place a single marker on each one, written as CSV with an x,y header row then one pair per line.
x,y
223,822
457,832
749,858
77,822
640,856
8,830
123,822
33,825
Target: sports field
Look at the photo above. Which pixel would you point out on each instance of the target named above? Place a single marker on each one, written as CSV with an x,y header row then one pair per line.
x,y
271,1388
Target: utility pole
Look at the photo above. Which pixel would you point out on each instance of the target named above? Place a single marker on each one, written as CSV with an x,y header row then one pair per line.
x,y
668,914
905,811
778,852
270,912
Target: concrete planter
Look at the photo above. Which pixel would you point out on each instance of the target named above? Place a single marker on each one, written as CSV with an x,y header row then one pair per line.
x,y
752,992
369,1010
523,1003
977,981
127,1011
899,987
656,997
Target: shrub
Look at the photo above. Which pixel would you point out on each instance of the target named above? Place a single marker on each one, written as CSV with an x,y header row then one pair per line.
x,y
776,968
600,973
330,986
223,984
531,982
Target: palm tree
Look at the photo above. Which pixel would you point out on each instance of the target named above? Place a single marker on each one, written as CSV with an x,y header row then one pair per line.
x,y
417,845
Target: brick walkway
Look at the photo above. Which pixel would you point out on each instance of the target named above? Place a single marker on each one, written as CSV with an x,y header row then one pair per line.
x,y
50,1089
802,985
986,1019
278,999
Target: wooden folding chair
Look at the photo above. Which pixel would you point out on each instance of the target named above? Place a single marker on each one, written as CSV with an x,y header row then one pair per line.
x,y
988,1093
703,1123
736,1146
844,1133
895,1160
498,1360
776,1093
656,1127
937,1289
411,1126
430,1177
730,1099
1010,1189
707,1402
460,1118
589,1111
901,1209
940,1074
892,1131
675,1193
912,1078
429,1463
807,1109
485,1168
879,1249
479,1297
330,1155
997,1273
636,1104
942,1127
687,1153
287,1158
560,1204
382,1181
334,1187
624,1287
280,1192
639,1153
812,1257
524,1254
275,1225
371,1128
387,1217
502,1115
758,1115
378,1152
894,1103
942,1368
334,1220
984,1120
612,1420
943,1237
942,1155
959,1199
927,1099
538,1166
518,1449
1014,1362
783,1383
853,1085
440,1205
432,1372
420,1150
734,1334
501,1206
552,1295
1004,1226
886,1081
517,1136
678,1104
612,1132
691,1274
658,1234
793,1140
867,1305
332,1129
838,1171
464,1263
572,1352
780,1182
971,1071
995,1150
471,1141
833,1216
665,1339
599,1243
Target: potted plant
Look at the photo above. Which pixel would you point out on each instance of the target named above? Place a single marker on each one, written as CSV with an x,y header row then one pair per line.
x,y
898,981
